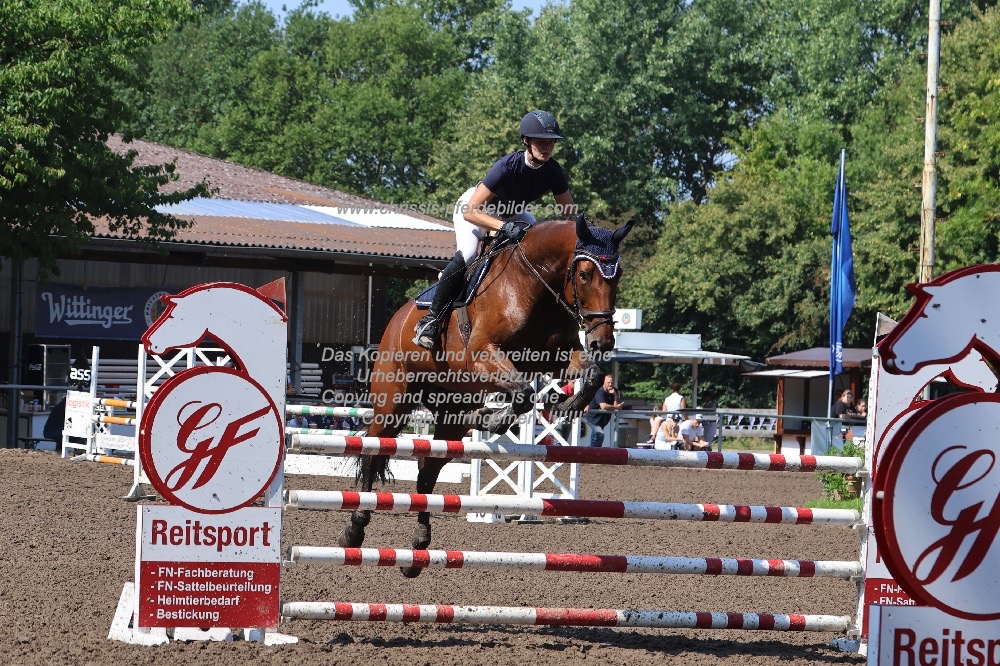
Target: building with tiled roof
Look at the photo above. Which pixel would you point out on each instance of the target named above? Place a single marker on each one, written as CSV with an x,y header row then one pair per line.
x,y
337,252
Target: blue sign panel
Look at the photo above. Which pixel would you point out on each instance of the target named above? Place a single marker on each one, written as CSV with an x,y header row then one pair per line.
x,y
109,313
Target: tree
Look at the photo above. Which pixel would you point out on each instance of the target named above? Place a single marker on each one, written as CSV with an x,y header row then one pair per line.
x,y
360,109
648,93
60,65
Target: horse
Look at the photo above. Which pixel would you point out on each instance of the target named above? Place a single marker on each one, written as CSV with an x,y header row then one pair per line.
x,y
524,321
192,315
951,318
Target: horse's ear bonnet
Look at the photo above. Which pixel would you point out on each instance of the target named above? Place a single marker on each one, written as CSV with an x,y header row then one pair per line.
x,y
600,245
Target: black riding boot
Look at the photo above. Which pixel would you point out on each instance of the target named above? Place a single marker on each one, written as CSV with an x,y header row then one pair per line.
x,y
449,286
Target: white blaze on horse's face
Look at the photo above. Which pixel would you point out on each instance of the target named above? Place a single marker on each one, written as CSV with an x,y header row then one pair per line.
x,y
597,294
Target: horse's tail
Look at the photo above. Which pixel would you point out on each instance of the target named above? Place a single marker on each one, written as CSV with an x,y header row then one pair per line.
x,y
377,468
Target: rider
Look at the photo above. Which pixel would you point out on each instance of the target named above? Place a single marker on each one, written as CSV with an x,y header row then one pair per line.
x,y
500,202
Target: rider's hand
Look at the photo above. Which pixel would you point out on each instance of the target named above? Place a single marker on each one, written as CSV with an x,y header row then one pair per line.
x,y
514,229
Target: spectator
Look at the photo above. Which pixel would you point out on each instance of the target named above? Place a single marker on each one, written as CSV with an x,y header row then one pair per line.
x,y
607,399
862,408
53,428
692,433
298,421
844,407
328,422
711,424
672,403
667,436
564,422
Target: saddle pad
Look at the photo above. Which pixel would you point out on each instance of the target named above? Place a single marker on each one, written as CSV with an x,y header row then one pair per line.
x,y
483,261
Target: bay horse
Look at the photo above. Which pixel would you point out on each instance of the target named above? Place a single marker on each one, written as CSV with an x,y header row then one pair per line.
x,y
525,320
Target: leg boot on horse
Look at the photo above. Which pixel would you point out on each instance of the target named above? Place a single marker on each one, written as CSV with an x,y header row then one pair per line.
x,y
428,329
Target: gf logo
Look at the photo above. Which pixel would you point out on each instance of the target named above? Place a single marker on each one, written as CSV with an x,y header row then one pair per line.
x,y
210,454
937,506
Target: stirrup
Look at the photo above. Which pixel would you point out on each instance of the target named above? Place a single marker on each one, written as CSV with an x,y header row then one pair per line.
x,y
426,332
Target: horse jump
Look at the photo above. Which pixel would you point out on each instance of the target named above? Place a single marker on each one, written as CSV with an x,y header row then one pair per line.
x,y
573,562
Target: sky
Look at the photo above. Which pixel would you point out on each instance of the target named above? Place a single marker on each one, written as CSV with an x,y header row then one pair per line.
x,y
344,8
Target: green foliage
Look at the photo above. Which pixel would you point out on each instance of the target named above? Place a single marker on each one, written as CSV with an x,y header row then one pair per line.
x,y
200,72
60,67
717,123
834,483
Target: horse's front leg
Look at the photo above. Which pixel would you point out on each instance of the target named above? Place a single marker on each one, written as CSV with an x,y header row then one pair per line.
x,y
354,533
503,376
581,366
427,476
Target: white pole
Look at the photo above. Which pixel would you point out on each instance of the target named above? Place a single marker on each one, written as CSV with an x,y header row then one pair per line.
x,y
929,184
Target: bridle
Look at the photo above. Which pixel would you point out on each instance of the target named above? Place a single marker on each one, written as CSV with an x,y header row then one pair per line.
x,y
580,315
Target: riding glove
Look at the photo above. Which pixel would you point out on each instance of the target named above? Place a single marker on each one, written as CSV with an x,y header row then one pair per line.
x,y
514,229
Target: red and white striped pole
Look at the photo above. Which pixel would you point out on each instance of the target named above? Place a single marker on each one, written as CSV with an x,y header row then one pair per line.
x,y
349,500
465,559
441,448
574,617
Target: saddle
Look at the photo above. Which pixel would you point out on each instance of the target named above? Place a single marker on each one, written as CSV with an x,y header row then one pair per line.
x,y
473,279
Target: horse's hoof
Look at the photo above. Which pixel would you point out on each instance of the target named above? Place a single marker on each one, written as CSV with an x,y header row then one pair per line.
x,y
421,536
411,572
499,423
351,537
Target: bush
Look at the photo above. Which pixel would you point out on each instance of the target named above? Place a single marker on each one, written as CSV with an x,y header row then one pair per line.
x,y
834,484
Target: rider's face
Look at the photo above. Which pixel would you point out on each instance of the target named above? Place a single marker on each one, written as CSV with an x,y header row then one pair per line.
x,y
541,149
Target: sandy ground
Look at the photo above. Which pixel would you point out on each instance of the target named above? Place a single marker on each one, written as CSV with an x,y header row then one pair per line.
x,y
68,547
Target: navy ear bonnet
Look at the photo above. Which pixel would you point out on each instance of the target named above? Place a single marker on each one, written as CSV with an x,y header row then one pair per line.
x,y
601,249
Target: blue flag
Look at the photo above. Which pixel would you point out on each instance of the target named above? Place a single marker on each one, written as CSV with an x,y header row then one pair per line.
x,y
841,273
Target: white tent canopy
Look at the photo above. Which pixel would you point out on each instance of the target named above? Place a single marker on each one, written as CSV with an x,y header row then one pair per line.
x,y
684,348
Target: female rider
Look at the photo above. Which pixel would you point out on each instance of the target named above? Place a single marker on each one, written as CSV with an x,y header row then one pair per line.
x,y
500,202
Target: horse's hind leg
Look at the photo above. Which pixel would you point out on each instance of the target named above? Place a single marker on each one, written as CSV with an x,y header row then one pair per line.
x,y
354,532
426,479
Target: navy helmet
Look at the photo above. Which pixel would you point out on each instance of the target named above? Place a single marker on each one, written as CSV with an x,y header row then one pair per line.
x,y
540,125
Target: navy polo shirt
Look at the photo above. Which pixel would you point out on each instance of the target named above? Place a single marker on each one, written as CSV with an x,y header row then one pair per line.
x,y
515,184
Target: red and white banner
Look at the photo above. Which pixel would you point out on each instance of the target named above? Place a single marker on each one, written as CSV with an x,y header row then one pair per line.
x,y
201,570
211,443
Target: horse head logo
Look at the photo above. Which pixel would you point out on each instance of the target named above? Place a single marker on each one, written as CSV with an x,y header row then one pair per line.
x,y
951,318
245,322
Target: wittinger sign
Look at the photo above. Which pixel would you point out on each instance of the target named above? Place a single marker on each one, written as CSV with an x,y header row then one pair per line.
x,y
211,442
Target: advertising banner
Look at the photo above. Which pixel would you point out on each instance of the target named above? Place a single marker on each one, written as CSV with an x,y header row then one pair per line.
x,y
200,570
917,635
110,313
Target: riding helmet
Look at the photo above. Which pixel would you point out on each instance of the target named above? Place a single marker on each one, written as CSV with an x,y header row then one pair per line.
x,y
540,125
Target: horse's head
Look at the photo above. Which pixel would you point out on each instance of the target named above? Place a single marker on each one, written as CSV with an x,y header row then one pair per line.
x,y
593,276
951,316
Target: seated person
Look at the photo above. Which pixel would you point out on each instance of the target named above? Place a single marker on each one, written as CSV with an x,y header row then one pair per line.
x,y
844,407
692,433
298,421
667,436
861,407
671,403
327,422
